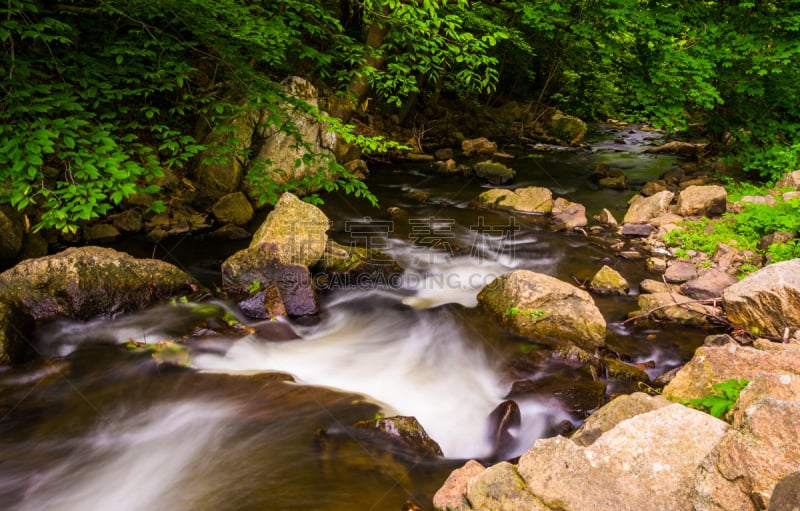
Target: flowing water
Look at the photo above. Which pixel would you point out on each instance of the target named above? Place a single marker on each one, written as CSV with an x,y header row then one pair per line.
x,y
259,422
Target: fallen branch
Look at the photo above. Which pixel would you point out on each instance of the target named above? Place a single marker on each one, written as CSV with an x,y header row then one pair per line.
x,y
707,301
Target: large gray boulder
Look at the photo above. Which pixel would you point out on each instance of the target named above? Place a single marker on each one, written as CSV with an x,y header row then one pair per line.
x,y
757,451
643,209
494,173
644,463
544,308
709,200
531,199
82,283
297,228
767,302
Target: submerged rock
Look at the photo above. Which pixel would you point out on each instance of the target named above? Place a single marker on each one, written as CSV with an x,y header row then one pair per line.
x,y
480,145
494,173
531,199
544,308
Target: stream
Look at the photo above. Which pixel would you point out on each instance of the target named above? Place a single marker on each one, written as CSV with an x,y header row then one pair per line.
x,y
260,421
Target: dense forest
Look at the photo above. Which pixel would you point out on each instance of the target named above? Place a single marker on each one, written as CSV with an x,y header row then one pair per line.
x,y
99,96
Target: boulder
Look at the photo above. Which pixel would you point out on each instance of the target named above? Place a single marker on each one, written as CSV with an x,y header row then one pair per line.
x,y
609,281
85,282
297,228
790,195
404,431
758,199
233,208
81,283
101,233
358,168
710,284
568,215
265,263
617,410
647,462
13,233
544,308
674,307
500,488
656,264
780,238
653,187
567,128
444,154
643,209
606,218
637,230
494,173
613,182
452,496
532,199
766,302
285,159
129,220
503,420
680,271
715,364
758,450
789,180
702,200
480,145
729,259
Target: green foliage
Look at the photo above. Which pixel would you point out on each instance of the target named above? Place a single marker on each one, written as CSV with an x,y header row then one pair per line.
x,y
255,287
99,98
743,229
721,399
